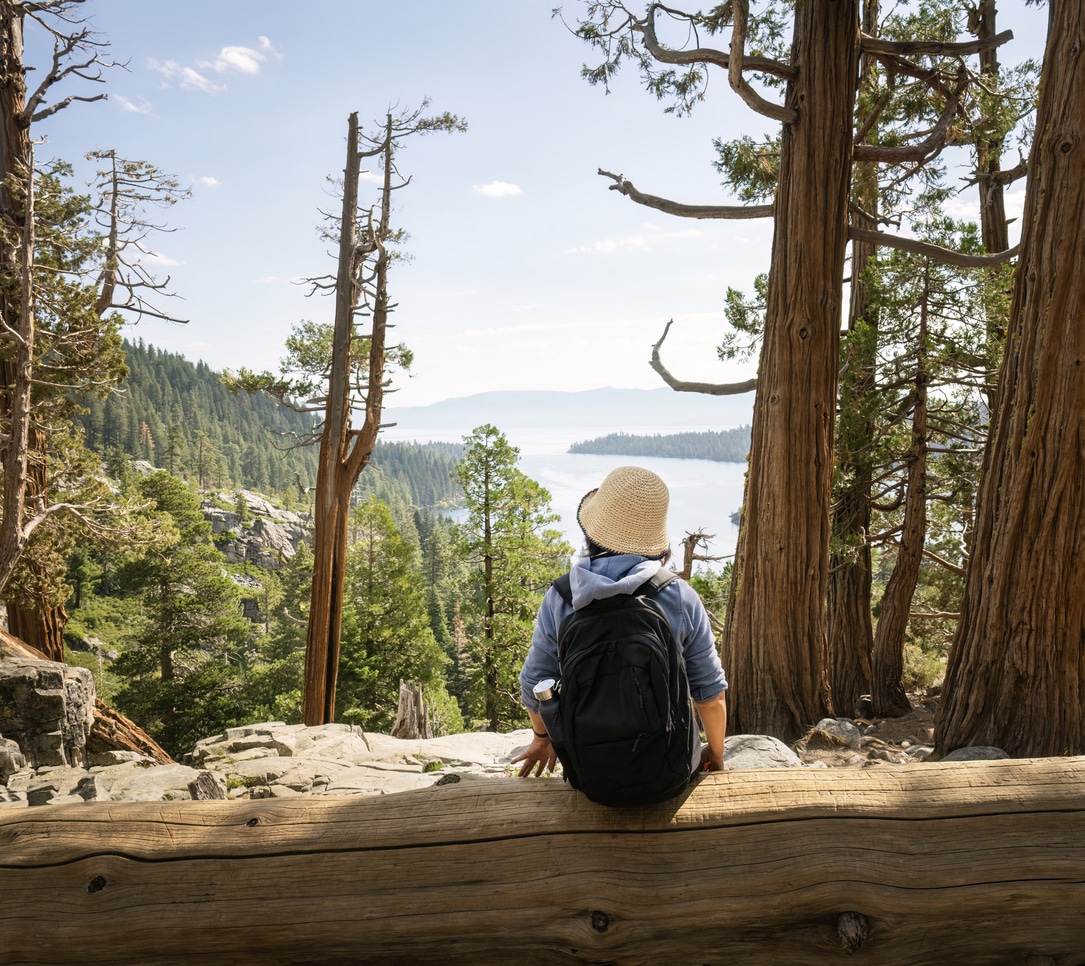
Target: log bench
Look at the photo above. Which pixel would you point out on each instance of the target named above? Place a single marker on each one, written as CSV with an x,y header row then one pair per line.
x,y
969,863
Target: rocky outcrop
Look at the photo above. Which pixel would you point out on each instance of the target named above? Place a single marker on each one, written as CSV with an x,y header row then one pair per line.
x,y
47,709
268,540
270,760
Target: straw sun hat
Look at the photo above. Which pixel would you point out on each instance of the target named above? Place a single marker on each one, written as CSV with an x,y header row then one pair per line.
x,y
627,513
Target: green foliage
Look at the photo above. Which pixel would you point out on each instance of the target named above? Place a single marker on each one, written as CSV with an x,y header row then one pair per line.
x,y
178,416
746,320
386,634
444,712
713,586
513,556
751,169
421,474
726,445
184,673
618,35
305,369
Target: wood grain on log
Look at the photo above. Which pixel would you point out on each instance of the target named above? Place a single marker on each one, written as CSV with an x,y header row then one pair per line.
x,y
980,862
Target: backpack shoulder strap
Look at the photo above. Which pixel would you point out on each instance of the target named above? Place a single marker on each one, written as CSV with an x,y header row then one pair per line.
x,y
660,579
564,588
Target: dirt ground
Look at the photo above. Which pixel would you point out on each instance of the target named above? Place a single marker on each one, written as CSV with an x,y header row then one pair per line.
x,y
900,740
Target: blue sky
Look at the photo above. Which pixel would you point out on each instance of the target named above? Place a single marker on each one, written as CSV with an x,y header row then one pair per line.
x,y
526,272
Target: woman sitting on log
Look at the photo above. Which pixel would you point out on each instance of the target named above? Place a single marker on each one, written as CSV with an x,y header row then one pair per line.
x,y
621,645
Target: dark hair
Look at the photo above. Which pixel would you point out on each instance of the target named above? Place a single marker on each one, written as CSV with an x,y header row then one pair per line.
x,y
594,550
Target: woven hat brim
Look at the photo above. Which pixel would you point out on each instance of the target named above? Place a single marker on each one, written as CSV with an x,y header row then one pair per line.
x,y
611,535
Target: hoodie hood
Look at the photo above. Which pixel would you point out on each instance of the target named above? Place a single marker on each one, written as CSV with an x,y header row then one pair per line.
x,y
592,579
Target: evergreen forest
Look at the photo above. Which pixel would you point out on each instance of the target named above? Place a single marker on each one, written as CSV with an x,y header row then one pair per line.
x,y
178,416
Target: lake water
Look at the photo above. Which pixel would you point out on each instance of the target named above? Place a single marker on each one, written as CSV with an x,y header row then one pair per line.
x,y
704,493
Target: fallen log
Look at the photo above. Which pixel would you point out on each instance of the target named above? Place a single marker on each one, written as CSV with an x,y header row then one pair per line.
x,y
977,863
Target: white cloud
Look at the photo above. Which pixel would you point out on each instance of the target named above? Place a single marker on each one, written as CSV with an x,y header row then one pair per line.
x,y
371,176
208,181
640,242
497,189
143,107
243,60
231,59
188,78
193,80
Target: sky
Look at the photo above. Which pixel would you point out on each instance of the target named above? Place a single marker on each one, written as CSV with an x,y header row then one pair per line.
x,y
525,271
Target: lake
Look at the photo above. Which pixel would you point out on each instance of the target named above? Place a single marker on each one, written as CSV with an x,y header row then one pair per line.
x,y
704,493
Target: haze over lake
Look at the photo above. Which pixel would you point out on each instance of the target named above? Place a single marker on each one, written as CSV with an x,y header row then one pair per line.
x,y
704,493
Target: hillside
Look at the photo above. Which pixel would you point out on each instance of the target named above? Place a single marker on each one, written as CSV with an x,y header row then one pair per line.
x,y
178,416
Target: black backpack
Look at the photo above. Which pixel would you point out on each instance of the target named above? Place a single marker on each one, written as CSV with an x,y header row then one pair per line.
x,y
626,721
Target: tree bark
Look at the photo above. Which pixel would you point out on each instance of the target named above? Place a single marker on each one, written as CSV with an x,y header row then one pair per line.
x,y
850,627
41,629
775,641
994,229
887,663
16,316
1016,671
977,863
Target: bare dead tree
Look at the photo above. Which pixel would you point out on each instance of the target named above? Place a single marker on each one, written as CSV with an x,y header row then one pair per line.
x,y
342,372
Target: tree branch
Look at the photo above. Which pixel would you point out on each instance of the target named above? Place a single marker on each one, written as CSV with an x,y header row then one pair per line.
x,y
875,46
739,84
936,252
1003,177
707,388
929,146
626,188
706,55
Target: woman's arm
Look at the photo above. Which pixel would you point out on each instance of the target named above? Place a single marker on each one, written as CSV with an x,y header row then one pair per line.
x,y
713,715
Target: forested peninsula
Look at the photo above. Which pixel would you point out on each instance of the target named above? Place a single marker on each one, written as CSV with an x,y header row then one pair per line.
x,y
722,446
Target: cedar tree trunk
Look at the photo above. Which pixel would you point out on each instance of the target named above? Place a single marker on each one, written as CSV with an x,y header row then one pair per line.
x,y
887,689
1016,672
775,643
850,628
344,452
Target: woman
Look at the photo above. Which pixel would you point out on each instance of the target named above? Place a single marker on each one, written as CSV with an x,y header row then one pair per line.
x,y
625,525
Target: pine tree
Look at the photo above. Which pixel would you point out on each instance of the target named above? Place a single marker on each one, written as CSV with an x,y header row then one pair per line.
x,y
185,674
513,556
386,633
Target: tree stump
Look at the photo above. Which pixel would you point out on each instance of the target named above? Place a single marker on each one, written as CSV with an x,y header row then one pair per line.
x,y
976,862
412,720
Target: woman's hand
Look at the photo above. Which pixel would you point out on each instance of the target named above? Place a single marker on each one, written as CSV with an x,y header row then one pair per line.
x,y
709,761
540,754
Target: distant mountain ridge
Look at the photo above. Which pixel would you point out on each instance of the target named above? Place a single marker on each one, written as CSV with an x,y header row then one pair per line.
x,y
530,409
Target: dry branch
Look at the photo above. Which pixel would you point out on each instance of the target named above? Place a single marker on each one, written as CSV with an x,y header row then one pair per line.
x,y
625,187
875,46
707,388
936,252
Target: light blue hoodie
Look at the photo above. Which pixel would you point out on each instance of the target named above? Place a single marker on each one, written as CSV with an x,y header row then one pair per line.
x,y
591,579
